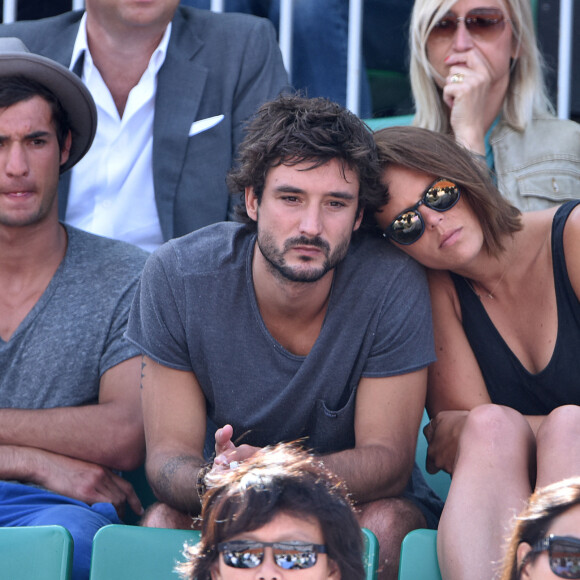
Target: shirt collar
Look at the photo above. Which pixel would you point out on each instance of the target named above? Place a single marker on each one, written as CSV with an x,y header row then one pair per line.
x,y
81,47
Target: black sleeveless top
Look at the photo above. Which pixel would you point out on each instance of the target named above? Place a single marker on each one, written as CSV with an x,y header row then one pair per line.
x,y
507,381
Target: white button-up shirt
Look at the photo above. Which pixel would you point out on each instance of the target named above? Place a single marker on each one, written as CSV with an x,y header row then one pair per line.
x,y
111,191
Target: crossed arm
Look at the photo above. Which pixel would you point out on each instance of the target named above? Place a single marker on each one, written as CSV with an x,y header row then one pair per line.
x,y
387,417
73,450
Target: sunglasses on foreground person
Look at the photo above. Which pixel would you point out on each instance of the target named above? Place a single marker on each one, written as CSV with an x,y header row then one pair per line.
x,y
545,543
503,395
279,514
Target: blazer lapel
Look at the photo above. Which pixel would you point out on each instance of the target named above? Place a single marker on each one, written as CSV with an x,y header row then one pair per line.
x,y
180,87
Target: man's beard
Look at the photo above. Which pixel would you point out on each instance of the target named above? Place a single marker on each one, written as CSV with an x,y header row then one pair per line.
x,y
277,262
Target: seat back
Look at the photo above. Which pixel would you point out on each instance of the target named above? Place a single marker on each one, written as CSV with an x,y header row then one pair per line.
x,y
419,556
371,554
123,552
33,552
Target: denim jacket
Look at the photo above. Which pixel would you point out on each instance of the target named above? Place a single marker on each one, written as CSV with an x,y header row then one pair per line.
x,y
539,167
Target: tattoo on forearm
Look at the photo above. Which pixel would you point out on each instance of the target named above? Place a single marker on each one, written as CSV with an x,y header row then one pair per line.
x,y
143,365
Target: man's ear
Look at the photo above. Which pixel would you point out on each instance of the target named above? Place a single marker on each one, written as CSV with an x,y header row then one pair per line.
x,y
523,550
251,203
65,151
358,220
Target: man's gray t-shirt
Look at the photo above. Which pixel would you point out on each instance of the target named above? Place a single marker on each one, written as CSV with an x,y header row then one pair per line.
x,y
196,310
74,333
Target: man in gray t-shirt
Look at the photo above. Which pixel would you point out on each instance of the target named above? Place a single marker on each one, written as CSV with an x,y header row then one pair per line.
x,y
69,381
282,328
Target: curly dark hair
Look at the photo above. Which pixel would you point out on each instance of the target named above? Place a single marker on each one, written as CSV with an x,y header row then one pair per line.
x,y
293,129
278,479
439,155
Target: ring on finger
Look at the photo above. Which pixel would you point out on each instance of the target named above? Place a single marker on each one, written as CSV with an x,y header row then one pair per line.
x,y
457,78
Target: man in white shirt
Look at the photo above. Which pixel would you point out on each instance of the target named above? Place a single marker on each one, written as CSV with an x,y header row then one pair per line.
x,y
173,87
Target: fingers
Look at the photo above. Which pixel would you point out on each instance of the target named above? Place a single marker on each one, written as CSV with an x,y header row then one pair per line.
x,y
130,496
223,439
114,489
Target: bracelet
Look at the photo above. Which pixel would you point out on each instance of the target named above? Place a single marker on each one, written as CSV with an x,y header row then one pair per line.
x,y
200,482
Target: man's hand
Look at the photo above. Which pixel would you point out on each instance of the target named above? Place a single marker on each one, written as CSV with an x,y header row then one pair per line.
x,y
226,451
87,482
442,434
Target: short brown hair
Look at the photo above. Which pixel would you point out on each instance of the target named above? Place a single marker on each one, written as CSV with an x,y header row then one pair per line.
x,y
439,155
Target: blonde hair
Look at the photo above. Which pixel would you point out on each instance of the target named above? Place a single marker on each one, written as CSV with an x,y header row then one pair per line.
x,y
526,93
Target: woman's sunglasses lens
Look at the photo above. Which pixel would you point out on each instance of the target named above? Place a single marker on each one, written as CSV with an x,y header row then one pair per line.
x,y
565,559
407,228
442,195
484,24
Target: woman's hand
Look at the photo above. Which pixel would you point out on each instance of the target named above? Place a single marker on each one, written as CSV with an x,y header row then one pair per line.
x,y
442,435
467,94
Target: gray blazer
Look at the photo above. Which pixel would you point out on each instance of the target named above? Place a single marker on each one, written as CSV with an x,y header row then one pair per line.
x,y
216,64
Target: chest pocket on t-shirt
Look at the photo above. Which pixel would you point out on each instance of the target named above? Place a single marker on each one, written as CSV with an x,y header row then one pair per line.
x,y
332,430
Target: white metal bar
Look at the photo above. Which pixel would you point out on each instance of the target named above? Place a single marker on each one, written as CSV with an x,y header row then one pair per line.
x,y
355,17
9,11
217,6
78,4
565,58
285,34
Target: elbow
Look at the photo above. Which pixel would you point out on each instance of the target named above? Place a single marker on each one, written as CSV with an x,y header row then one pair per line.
x,y
127,449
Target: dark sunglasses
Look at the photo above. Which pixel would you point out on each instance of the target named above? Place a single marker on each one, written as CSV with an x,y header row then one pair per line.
x,y
287,555
564,554
482,23
409,226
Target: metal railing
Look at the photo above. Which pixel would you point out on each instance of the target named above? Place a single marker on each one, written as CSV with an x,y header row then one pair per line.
x,y
355,46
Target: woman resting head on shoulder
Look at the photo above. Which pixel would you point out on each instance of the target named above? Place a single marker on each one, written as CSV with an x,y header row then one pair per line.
x,y
279,514
477,74
437,196
545,543
503,393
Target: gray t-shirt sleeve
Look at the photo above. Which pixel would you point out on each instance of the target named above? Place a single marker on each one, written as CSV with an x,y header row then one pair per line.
x,y
403,338
157,317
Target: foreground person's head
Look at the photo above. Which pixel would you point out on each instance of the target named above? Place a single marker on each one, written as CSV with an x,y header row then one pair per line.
x,y
279,511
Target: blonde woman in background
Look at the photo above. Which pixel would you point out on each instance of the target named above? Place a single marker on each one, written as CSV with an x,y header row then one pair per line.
x,y
477,73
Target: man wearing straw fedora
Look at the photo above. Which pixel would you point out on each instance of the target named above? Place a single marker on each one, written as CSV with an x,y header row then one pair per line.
x,y
69,399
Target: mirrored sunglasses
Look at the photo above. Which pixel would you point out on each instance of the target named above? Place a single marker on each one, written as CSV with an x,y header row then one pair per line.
x,y
287,555
409,226
482,23
563,553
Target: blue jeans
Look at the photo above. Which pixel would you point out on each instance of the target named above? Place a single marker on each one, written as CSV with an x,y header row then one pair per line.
x,y
319,45
26,505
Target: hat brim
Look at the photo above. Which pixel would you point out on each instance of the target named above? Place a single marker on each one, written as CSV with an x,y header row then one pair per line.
x,y
73,95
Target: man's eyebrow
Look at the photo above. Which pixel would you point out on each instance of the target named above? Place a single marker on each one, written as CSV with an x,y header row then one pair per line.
x,y
286,188
33,135
37,134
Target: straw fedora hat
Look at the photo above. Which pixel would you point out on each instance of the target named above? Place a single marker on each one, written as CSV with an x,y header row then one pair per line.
x,y
75,98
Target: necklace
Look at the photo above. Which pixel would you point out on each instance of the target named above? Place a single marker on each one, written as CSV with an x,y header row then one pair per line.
x,y
488,293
